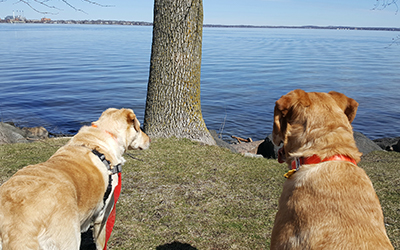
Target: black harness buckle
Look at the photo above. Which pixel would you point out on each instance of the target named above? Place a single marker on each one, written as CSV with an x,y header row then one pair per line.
x,y
114,170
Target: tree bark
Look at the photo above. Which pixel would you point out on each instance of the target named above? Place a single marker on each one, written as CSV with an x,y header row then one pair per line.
x,y
173,96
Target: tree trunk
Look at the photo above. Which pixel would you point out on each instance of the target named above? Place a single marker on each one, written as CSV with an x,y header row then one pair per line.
x,y
173,96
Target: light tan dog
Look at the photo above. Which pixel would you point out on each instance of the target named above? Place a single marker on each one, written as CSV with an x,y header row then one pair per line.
x,y
48,205
327,202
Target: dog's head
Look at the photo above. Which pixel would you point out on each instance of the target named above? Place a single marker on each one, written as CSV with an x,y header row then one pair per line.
x,y
125,127
301,118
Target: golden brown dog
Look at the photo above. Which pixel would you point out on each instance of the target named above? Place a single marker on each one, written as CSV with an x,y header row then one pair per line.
x,y
48,205
327,202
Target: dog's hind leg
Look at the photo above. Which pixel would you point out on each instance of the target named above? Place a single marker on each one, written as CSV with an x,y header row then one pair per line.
x,y
18,242
61,237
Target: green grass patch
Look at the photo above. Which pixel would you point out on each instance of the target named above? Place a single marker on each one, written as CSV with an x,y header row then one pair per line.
x,y
185,194
383,168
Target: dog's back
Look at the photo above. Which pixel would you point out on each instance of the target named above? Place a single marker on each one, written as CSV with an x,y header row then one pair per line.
x,y
46,206
44,202
335,210
329,202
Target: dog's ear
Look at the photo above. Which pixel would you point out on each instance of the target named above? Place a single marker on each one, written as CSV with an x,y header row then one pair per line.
x,y
348,105
278,127
282,108
132,119
136,124
294,97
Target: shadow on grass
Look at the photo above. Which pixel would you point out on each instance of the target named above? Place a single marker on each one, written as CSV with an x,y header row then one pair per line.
x,y
176,246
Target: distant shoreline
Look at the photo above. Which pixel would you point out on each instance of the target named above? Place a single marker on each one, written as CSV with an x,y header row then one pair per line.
x,y
140,23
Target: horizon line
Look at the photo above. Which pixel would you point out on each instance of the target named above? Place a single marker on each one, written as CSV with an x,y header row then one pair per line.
x,y
146,23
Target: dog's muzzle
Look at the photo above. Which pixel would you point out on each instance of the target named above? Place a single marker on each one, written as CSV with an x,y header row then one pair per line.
x,y
281,155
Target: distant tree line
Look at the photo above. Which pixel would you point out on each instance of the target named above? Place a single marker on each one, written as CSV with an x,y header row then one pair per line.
x,y
104,22
141,23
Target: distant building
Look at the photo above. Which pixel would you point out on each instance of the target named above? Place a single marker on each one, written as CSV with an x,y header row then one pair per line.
x,y
19,18
45,20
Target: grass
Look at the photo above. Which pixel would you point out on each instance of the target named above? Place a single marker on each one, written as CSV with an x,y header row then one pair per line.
x,y
184,195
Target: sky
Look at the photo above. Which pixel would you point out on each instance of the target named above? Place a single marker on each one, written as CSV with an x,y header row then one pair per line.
x,y
356,13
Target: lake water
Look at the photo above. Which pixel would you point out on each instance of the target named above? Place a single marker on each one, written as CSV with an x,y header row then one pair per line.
x,y
63,76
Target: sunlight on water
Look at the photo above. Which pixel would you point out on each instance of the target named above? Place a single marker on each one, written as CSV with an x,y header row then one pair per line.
x,y
64,76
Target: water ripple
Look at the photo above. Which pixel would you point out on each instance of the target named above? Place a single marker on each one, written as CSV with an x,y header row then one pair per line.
x,y
64,76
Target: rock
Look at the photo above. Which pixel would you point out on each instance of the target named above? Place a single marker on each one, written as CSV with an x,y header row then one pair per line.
x,y
247,147
396,147
387,143
36,133
262,148
12,134
220,142
253,155
267,149
364,144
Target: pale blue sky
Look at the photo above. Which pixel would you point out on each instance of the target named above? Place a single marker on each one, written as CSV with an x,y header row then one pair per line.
x,y
249,12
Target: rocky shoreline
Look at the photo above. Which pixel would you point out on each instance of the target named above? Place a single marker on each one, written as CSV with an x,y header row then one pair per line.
x,y
9,133
265,148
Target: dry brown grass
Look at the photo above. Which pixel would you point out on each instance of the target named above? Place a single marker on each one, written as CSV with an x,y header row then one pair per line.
x,y
204,196
383,168
184,195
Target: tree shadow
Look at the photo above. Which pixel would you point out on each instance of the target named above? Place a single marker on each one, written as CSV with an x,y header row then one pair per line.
x,y
176,246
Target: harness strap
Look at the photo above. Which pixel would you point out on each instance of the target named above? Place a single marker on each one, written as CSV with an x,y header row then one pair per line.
x,y
108,221
113,169
107,212
108,190
87,238
111,217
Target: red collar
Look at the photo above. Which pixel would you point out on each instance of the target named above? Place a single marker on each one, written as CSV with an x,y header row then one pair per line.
x,y
315,159
112,135
296,164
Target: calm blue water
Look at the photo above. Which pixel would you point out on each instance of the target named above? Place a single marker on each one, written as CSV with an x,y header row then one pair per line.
x,y
64,76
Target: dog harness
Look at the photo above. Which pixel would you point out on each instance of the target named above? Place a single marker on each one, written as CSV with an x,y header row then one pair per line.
x,y
113,169
87,240
109,215
298,162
